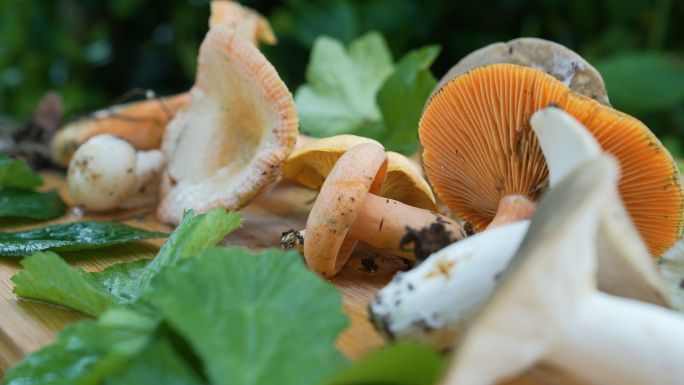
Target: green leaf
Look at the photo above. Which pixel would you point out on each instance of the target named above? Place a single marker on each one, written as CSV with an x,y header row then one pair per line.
x,y
71,236
86,352
192,236
253,319
14,173
643,81
402,98
48,278
121,281
400,364
30,204
342,85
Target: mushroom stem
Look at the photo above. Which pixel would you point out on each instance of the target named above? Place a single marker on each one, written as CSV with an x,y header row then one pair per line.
x,y
382,222
614,340
512,208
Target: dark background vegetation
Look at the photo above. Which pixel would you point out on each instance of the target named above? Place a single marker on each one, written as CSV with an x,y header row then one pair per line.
x,y
92,52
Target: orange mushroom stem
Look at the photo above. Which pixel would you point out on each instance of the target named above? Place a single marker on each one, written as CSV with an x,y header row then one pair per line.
x,y
348,210
512,208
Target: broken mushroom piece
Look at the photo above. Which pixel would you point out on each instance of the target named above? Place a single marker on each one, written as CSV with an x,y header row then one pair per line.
x,y
348,210
546,307
433,302
106,173
247,22
140,123
555,59
228,145
311,164
485,163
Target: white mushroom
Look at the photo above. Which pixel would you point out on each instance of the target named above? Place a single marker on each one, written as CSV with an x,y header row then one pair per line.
x,y
625,266
547,308
106,172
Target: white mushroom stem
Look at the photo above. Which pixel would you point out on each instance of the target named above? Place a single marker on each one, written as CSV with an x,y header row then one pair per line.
x,y
148,170
435,301
610,334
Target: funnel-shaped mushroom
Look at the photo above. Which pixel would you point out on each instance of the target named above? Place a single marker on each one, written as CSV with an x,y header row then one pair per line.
x,y
463,275
486,165
228,145
547,309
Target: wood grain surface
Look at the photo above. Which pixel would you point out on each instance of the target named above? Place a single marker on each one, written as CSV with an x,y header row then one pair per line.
x,y
27,325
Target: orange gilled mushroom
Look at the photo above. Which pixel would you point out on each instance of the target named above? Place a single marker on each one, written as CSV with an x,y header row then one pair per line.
x,y
348,210
484,161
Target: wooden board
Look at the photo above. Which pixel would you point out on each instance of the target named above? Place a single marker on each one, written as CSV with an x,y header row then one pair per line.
x,y
25,326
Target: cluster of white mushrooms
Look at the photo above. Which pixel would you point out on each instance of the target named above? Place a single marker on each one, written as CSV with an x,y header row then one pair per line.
x,y
528,293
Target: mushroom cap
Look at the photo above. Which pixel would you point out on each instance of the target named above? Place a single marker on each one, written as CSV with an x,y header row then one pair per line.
x,y
101,173
311,164
141,123
248,23
228,145
360,170
555,59
479,148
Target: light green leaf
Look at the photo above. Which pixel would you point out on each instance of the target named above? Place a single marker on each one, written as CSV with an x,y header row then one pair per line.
x,y
253,319
86,352
71,236
643,81
402,98
400,364
120,281
339,96
30,204
192,236
48,278
14,173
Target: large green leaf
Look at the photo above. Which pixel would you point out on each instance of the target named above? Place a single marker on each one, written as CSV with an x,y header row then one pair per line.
x,y
401,364
643,81
402,97
72,236
16,202
46,277
253,318
14,173
121,281
87,352
339,96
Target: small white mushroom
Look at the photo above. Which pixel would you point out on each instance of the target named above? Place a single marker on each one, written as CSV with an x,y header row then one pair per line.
x,y
106,172
438,307
548,310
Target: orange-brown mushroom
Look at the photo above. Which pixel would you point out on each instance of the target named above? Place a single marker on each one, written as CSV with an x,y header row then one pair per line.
x,y
481,155
348,210
247,22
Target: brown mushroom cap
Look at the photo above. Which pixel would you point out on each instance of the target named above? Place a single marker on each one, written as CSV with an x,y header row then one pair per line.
x,y
359,171
479,148
228,145
311,164
555,59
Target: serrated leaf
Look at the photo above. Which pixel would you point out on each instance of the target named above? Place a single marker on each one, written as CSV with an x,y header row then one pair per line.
x,y
46,277
339,96
120,280
643,81
400,364
402,97
269,321
86,352
15,173
192,236
72,236
30,204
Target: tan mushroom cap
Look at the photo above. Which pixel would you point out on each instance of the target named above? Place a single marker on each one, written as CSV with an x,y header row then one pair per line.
x,y
141,123
555,59
229,144
479,149
248,23
359,171
311,164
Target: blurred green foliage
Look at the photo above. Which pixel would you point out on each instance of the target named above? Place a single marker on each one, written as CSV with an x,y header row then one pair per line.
x,y
94,51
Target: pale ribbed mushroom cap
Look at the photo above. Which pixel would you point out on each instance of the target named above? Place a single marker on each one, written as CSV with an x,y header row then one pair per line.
x,y
229,144
311,164
479,148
